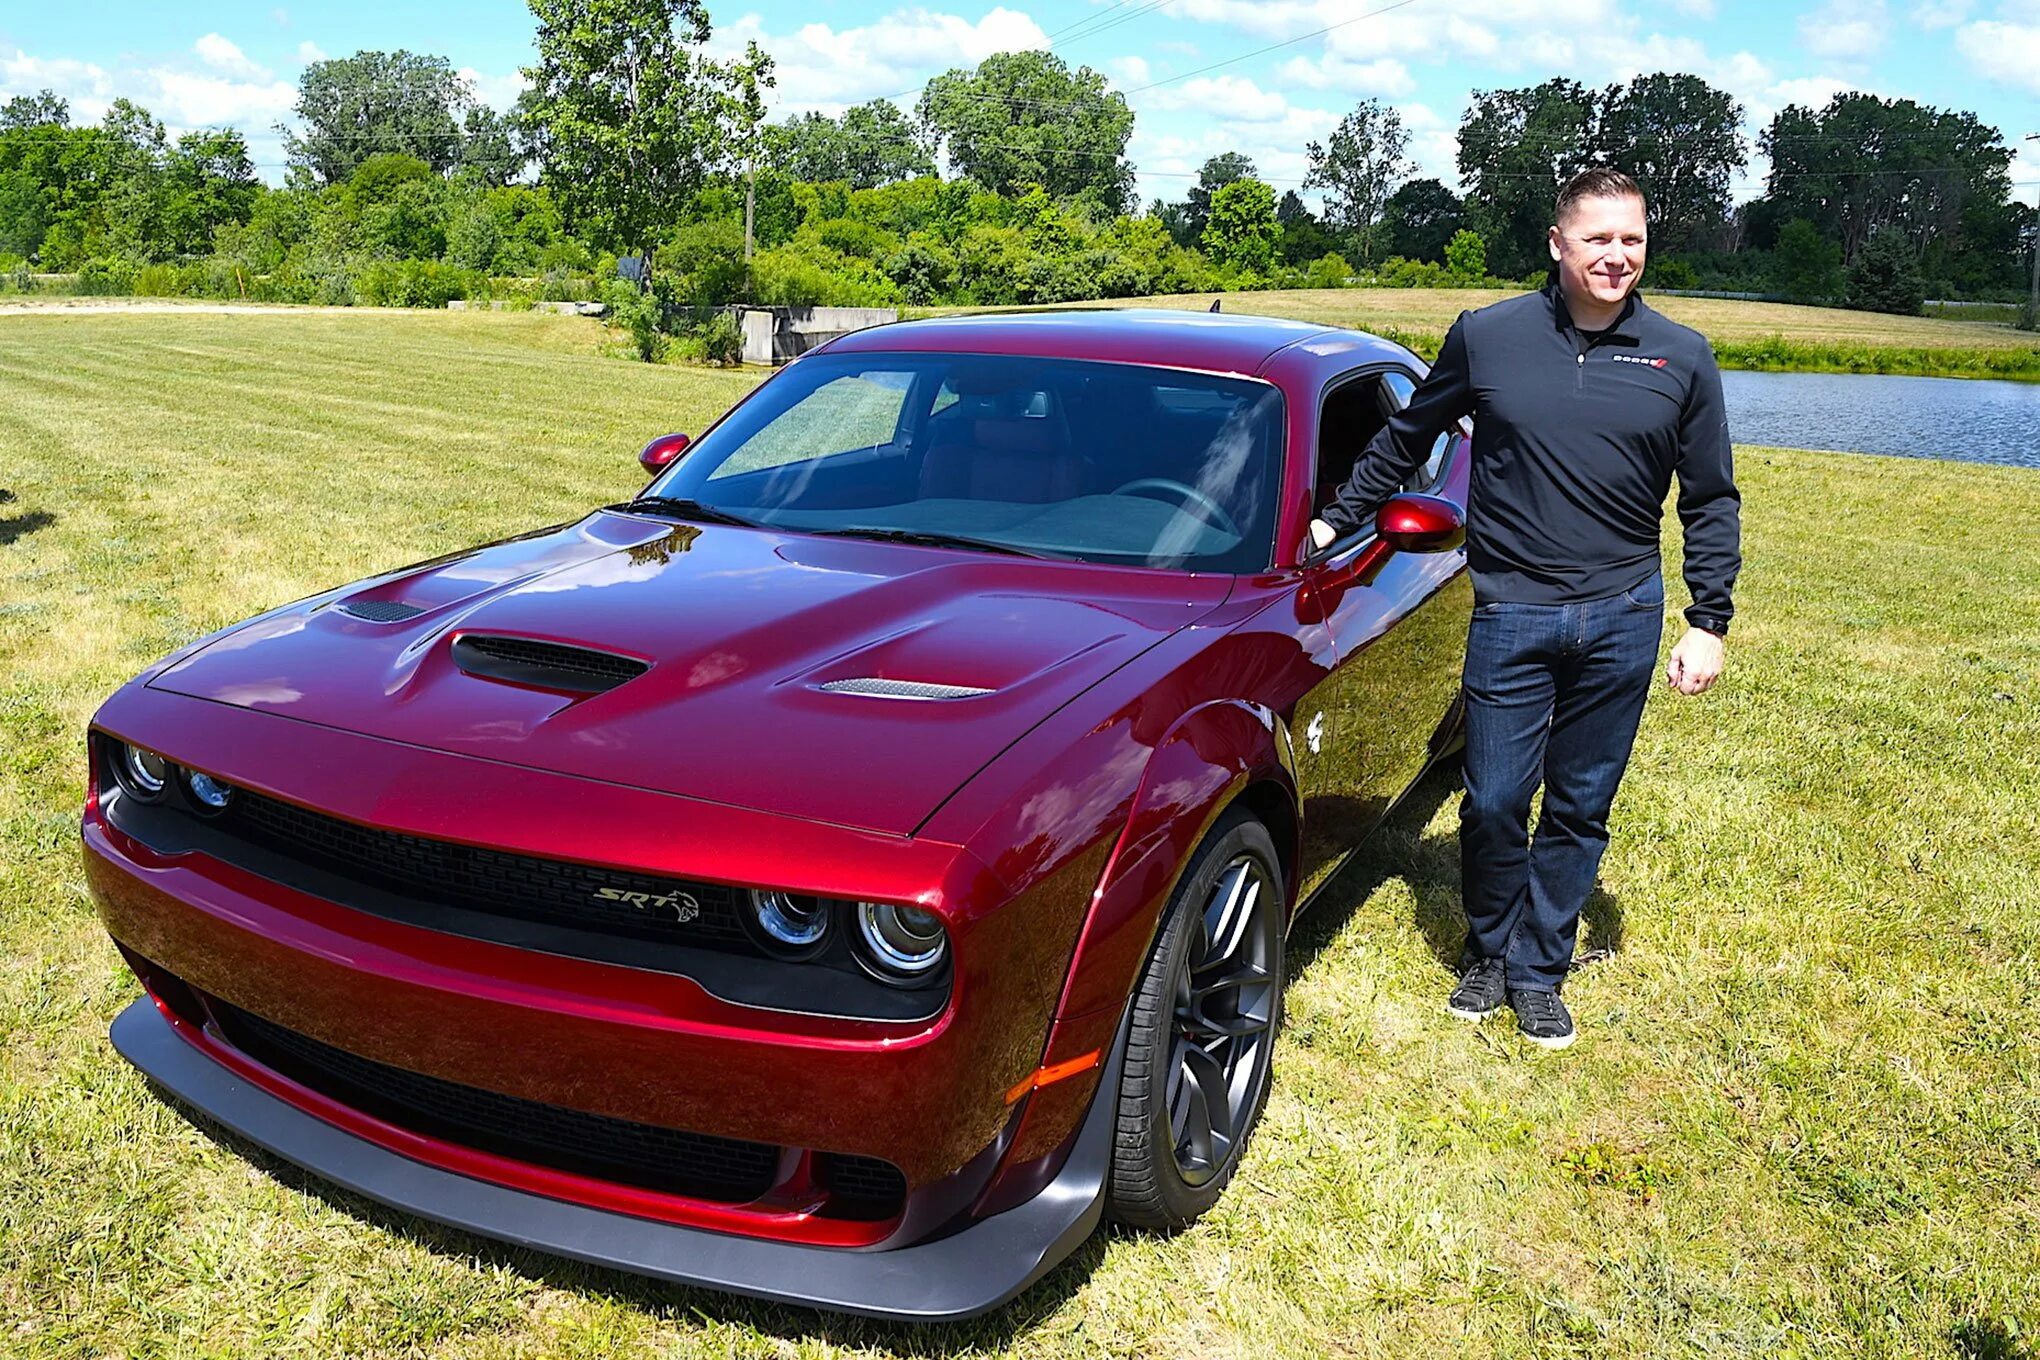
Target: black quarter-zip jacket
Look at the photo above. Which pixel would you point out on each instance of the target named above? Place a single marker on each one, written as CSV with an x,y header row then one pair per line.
x,y
1576,437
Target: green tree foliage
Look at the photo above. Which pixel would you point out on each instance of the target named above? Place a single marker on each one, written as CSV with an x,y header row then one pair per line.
x,y
1885,275
1228,167
1306,240
375,104
634,115
1515,148
493,148
1358,166
1806,267
1466,256
1240,227
870,145
1863,163
208,183
1420,218
42,109
1677,136
1026,118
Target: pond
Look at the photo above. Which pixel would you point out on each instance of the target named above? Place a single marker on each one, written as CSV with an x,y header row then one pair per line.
x,y
1975,421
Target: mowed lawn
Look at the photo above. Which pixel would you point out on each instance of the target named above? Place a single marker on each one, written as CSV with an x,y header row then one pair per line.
x,y
1803,1117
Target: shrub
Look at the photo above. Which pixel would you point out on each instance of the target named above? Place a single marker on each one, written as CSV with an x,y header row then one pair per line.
x,y
1466,257
1886,276
415,283
640,313
1671,274
1328,271
1805,267
716,339
106,278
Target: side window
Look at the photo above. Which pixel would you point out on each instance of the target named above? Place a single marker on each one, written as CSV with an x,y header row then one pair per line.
x,y
1396,391
849,415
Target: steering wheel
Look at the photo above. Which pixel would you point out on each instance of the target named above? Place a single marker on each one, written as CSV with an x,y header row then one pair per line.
x,y
1207,509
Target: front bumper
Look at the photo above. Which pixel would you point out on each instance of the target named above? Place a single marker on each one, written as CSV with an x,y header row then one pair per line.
x,y
959,1276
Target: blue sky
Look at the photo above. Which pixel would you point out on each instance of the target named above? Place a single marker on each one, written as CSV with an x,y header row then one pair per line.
x,y
236,63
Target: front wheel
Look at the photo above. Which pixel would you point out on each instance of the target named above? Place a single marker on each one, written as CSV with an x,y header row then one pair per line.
x,y
1202,1035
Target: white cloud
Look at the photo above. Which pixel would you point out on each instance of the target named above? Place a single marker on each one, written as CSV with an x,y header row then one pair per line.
x,y
1130,71
88,87
498,92
819,67
184,100
1383,75
1845,30
223,56
1940,13
309,52
2005,52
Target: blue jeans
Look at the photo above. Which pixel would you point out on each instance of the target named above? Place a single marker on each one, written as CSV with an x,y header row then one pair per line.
x,y
1553,696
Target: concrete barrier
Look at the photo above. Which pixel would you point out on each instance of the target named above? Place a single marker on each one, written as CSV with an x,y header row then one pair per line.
x,y
505,305
774,335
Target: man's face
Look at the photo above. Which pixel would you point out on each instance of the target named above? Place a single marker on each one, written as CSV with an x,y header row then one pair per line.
x,y
1599,247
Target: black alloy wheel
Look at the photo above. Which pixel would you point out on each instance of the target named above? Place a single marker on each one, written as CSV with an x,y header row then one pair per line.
x,y
1203,1031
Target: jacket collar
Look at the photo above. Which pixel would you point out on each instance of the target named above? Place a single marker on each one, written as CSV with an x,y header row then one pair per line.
x,y
1624,329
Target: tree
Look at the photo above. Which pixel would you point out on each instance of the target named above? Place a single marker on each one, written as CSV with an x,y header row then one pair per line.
x,y
1358,166
1026,118
1805,266
1515,148
1304,238
42,109
1885,275
1240,228
632,114
1677,136
209,182
1864,162
1228,167
493,149
377,103
870,145
1466,256
1420,218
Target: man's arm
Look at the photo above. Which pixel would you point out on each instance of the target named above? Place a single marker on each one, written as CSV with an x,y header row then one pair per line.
x,y
1710,508
1400,447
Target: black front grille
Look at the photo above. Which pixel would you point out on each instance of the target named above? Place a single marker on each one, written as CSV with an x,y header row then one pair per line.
x,y
696,1165
550,664
863,1186
549,891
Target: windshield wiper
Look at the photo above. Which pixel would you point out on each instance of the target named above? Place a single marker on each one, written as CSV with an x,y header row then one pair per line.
x,y
679,507
927,539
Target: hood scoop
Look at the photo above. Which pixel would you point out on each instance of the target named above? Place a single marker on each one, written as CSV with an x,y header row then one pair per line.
x,y
874,687
544,665
381,611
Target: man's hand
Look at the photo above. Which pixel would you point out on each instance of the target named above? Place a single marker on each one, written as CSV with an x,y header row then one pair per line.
x,y
1321,534
1696,662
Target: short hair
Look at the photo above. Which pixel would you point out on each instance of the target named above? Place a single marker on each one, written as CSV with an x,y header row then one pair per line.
x,y
1596,181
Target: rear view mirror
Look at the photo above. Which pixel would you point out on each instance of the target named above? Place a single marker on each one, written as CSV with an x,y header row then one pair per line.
x,y
660,453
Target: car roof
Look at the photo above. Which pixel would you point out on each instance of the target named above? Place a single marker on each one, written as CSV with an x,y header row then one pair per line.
x,y
1214,341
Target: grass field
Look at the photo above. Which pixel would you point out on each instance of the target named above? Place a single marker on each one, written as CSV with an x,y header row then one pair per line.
x,y
1803,1117
1761,335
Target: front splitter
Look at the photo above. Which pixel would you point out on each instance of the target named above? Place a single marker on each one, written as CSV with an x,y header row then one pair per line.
x,y
959,1276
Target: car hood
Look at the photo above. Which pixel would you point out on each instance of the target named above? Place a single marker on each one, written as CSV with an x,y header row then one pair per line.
x,y
741,629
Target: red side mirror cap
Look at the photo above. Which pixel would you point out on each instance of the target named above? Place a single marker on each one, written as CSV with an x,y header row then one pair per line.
x,y
1414,523
662,451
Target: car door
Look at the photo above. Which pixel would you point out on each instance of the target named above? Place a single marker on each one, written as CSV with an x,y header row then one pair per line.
x,y
1399,638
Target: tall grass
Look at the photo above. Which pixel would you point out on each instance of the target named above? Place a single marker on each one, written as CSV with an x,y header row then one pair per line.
x,y
1803,1118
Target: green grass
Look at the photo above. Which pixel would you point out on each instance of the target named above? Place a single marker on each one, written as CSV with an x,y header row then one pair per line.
x,y
1762,335
1803,1117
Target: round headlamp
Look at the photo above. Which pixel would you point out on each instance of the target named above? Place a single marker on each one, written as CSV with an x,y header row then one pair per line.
x,y
902,945
789,924
207,792
141,774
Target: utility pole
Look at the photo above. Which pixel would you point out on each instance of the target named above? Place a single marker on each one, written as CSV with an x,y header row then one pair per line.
x,y
2033,300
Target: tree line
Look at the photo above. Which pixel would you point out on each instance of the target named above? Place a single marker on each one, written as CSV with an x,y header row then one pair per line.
x,y
632,143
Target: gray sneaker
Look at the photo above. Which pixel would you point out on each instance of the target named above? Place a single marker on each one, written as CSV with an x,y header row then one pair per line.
x,y
1480,992
1543,1019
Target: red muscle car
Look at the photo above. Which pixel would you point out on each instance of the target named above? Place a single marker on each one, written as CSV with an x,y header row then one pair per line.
x,y
841,873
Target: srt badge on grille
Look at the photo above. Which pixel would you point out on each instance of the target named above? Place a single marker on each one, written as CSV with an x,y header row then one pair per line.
x,y
675,906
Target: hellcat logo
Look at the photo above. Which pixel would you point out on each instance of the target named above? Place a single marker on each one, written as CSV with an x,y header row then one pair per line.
x,y
681,907
1637,359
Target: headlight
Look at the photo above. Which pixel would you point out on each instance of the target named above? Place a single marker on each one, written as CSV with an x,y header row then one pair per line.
x,y
788,924
209,793
902,945
141,774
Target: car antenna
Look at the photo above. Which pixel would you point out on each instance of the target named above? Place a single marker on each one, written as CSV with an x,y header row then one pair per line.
x,y
1215,302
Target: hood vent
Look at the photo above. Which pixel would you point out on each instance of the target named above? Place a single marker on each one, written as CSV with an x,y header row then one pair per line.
x,y
381,611
875,688
546,665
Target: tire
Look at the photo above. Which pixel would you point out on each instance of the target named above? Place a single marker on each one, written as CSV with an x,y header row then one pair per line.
x,y
1164,1174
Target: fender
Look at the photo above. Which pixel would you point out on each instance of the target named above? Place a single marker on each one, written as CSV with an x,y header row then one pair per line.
x,y
1199,769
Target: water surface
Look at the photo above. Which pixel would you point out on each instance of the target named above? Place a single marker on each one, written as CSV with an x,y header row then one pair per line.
x,y
1969,419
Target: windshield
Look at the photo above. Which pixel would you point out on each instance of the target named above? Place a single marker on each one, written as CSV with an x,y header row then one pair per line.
x,y
1093,462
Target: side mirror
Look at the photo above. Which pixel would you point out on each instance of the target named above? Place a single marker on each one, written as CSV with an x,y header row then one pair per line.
x,y
658,454
1414,523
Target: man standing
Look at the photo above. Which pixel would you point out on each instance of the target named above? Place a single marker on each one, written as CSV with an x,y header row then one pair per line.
x,y
1585,404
